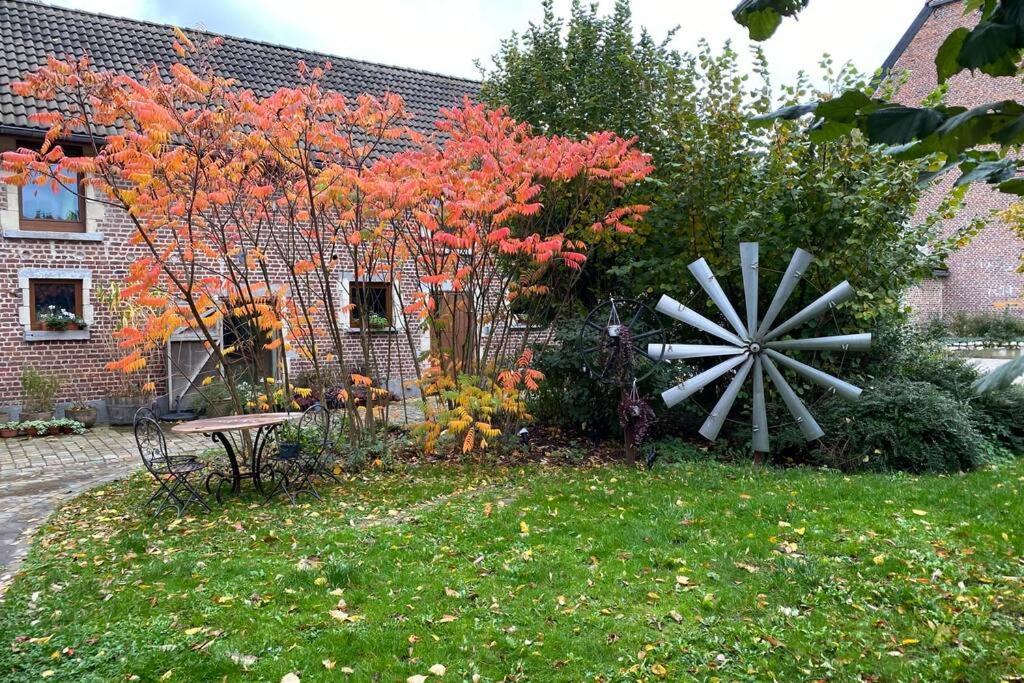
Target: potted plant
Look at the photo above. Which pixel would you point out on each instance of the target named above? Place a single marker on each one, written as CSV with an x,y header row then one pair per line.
x,y
53,428
122,405
289,440
35,427
378,322
81,412
67,426
8,430
59,320
39,391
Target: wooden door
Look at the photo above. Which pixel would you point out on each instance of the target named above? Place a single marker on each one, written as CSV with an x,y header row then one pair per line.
x,y
453,333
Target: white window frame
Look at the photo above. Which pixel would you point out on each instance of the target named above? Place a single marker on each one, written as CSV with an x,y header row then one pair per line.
x,y
25,278
345,298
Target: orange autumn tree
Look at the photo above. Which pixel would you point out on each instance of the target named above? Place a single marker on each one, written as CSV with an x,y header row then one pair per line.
x,y
257,208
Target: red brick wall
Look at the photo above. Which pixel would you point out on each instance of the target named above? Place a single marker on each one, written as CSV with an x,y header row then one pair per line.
x,y
982,276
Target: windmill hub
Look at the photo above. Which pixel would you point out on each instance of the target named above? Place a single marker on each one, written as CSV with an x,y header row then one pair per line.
x,y
754,348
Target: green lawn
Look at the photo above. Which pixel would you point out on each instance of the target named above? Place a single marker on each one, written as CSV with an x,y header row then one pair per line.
x,y
693,571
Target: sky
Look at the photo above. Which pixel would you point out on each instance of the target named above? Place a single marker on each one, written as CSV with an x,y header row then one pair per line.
x,y
449,36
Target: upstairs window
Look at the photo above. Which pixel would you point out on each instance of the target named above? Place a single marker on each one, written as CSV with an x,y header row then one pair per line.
x,y
44,209
372,299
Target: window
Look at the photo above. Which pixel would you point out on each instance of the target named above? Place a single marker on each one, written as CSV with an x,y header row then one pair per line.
x,y
52,300
44,209
375,299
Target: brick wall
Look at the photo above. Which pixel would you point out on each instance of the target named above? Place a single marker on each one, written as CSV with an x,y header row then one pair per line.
x,y
80,362
983,276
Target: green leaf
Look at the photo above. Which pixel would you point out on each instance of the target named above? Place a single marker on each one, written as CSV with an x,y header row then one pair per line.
x,y
793,111
1012,134
845,107
898,125
827,131
987,171
1015,186
762,17
987,45
947,60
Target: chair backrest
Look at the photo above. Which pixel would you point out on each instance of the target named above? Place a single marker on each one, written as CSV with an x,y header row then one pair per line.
x,y
144,412
317,420
149,438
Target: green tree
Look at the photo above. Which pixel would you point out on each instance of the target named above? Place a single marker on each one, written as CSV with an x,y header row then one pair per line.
x,y
719,178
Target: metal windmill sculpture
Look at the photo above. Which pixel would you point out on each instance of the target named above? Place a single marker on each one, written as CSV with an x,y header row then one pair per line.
x,y
754,348
614,342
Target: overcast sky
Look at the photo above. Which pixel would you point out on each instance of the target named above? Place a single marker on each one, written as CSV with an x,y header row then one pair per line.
x,y
446,36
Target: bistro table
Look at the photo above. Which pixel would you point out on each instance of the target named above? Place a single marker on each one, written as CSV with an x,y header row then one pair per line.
x,y
219,429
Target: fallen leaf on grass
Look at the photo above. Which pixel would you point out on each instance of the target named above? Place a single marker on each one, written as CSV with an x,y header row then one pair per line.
x,y
919,513
417,678
438,669
290,678
659,671
328,664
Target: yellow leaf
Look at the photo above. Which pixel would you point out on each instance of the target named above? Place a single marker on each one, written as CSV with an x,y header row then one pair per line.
x,y
488,508
683,580
438,670
878,559
659,671
167,675
192,631
800,530
911,641
653,596
919,513
524,528
328,664
48,673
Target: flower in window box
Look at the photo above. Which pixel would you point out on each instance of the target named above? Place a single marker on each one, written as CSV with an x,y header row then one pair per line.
x,y
60,320
378,322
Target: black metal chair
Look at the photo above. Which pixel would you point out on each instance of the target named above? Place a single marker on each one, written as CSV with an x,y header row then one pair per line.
x,y
296,462
172,473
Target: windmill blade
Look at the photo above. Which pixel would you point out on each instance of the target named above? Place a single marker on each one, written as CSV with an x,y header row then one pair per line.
x,y
674,309
748,267
681,351
713,425
694,384
819,377
833,297
796,269
841,342
702,272
759,438
804,420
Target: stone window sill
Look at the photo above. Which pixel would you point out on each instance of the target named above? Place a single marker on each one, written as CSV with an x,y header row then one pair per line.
x,y
48,235
55,335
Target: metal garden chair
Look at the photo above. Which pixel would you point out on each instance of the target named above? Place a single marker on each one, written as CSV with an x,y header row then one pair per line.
x,y
294,464
172,473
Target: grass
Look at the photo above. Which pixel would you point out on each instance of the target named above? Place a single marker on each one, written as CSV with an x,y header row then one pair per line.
x,y
695,570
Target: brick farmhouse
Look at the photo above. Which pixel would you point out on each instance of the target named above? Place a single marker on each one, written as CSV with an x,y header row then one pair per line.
x,y
60,250
982,277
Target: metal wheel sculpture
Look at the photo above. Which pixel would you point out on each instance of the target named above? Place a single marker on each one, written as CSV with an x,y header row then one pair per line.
x,y
601,339
754,348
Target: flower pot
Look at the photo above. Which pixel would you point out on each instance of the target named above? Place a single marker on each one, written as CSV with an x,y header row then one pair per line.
x,y
122,409
37,416
86,415
8,433
30,431
53,430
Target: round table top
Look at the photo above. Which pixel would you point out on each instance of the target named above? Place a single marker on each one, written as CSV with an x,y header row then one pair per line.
x,y
233,423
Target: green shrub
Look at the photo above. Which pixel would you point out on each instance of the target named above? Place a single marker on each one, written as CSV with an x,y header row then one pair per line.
x,y
901,424
39,390
571,399
999,416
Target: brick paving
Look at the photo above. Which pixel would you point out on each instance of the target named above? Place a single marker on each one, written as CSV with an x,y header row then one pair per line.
x,y
37,474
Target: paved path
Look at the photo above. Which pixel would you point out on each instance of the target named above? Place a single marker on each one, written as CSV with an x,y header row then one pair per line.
x,y
37,474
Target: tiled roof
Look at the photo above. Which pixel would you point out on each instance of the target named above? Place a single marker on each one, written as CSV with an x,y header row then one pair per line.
x,y
29,32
